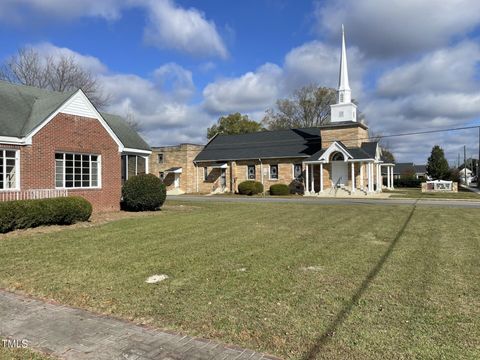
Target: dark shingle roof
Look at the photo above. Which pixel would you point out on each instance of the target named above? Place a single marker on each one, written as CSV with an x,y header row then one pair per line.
x,y
420,169
23,108
264,144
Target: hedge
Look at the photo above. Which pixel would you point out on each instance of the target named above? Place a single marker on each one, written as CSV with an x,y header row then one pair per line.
x,y
250,187
279,189
409,183
23,214
144,192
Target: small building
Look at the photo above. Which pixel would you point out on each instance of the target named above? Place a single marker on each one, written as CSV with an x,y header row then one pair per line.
x,y
57,144
408,169
175,166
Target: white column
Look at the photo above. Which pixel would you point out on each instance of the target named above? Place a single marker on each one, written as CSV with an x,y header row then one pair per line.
x,y
321,177
369,176
311,180
391,176
306,179
361,175
379,183
353,177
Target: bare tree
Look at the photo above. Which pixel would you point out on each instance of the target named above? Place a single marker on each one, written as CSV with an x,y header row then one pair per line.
x,y
131,120
60,73
308,106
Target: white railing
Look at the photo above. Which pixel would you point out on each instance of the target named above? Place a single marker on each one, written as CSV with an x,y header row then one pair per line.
x,y
32,194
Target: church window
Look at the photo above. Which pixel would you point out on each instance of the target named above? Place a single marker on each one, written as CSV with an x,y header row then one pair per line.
x,y
337,157
340,114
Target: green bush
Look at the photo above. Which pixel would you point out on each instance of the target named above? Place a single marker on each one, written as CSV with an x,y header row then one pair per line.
x,y
279,189
407,182
144,192
23,214
250,187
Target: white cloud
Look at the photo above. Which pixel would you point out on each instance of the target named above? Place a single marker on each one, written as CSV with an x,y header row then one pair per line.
x,y
18,11
186,30
175,79
87,62
318,63
169,25
249,92
447,69
396,27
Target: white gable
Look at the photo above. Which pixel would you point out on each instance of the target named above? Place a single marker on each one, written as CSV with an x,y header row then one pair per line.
x,y
335,147
78,105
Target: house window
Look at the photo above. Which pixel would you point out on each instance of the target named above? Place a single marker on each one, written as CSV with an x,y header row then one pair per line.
x,y
160,158
77,170
8,169
297,171
274,172
133,165
205,173
251,172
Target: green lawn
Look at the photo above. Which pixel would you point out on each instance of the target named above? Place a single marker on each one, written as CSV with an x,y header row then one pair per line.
x,y
416,193
358,282
21,354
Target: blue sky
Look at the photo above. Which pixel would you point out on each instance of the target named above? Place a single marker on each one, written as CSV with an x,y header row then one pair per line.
x,y
178,65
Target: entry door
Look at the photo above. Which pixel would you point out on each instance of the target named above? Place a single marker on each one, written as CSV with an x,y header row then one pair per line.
x,y
339,173
176,182
223,178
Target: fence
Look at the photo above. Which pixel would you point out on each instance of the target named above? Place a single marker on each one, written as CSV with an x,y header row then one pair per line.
x,y
32,194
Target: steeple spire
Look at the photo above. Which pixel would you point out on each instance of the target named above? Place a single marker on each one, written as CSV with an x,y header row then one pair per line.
x,y
344,109
344,92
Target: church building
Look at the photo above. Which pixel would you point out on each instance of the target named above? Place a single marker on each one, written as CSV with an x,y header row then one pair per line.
x,y
334,158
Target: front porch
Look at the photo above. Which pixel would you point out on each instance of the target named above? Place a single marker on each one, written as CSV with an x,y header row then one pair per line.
x,y
346,172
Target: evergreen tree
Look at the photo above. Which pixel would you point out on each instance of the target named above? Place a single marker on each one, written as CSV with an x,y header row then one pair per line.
x,y
437,165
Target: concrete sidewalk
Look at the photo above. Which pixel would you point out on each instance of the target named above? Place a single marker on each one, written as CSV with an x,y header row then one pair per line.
x,y
70,333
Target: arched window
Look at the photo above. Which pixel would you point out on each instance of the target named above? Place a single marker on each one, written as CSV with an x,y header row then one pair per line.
x,y
337,157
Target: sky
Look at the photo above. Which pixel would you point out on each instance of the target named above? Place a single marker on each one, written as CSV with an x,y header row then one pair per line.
x,y
178,65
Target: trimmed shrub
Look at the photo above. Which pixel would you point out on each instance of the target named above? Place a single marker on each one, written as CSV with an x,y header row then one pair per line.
x,y
250,187
279,189
23,214
407,182
144,192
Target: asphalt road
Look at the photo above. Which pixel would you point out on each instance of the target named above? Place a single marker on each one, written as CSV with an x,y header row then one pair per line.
x,y
331,201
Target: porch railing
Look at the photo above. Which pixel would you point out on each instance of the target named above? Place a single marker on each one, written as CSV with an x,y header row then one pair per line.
x,y
32,194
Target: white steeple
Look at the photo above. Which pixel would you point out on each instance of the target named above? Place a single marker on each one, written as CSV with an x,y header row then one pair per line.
x,y
344,92
344,109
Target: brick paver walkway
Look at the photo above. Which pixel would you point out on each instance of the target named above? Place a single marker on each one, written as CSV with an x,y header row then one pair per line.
x,y
71,333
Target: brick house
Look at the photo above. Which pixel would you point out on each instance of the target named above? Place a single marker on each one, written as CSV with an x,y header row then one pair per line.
x,y
57,144
312,161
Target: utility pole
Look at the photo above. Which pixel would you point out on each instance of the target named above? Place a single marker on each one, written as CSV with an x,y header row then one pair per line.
x,y
478,162
465,163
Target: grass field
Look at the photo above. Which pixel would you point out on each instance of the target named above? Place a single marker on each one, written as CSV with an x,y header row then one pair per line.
x,y
416,193
299,281
21,354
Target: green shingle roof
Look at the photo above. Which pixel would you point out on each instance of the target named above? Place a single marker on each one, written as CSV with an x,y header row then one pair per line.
x,y
23,108
128,136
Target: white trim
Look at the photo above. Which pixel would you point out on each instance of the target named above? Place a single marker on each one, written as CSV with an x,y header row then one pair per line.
x,y
335,147
99,171
270,172
17,170
137,151
306,179
11,140
321,177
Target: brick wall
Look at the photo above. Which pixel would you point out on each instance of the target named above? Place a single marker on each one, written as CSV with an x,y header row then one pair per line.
x,y
69,133
351,135
177,156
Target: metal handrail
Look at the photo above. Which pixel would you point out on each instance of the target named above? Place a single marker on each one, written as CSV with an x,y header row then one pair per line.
x,y
335,187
